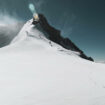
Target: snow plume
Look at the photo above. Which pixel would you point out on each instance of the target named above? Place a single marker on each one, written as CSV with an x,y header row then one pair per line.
x,y
36,5
9,27
66,24
32,8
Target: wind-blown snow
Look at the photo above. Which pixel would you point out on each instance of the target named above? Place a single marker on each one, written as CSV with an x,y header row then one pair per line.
x,y
8,32
36,71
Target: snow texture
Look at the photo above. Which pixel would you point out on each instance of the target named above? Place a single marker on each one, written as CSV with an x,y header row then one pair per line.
x,y
36,71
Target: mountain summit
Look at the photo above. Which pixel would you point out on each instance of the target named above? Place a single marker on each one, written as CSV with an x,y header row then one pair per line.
x,y
55,35
41,28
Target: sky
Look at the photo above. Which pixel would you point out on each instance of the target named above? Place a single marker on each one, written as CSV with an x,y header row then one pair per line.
x,y
83,21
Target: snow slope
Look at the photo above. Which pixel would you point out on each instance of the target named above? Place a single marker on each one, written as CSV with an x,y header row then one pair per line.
x,y
36,71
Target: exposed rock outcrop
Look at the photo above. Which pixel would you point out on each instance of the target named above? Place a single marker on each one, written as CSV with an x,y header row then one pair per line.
x,y
55,36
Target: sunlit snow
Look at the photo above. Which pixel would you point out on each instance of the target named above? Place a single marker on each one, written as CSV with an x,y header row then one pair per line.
x,y
36,71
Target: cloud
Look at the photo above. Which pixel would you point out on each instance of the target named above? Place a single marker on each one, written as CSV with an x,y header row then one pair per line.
x,y
6,18
10,25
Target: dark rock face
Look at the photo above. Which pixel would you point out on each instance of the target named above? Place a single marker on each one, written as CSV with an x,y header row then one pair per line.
x,y
55,36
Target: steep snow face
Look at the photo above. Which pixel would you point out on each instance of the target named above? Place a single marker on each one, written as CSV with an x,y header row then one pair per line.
x,y
36,71
8,32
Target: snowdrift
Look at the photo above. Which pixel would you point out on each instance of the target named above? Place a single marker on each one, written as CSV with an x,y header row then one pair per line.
x,y
37,71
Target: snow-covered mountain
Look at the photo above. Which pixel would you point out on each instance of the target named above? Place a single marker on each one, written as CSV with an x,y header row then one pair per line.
x,y
37,71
